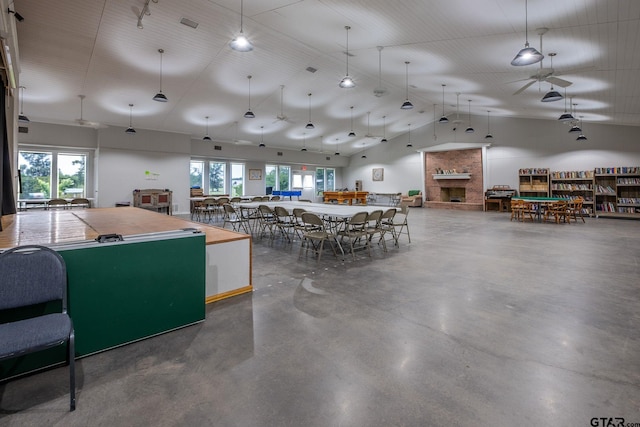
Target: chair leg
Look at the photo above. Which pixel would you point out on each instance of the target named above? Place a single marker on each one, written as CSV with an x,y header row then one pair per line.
x,y
72,371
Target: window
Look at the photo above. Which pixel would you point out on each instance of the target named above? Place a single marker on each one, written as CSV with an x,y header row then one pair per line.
x,y
325,180
71,175
196,174
284,177
270,173
50,174
35,174
237,179
217,177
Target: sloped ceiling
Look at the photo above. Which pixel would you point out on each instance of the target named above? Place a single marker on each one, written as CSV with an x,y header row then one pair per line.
x,y
94,48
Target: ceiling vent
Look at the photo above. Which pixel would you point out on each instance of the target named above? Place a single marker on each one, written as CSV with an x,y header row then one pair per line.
x,y
311,69
217,147
23,129
189,23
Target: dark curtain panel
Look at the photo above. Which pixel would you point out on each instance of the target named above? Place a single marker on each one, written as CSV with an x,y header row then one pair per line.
x,y
7,201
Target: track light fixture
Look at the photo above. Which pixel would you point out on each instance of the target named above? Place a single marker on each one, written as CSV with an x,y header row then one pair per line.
x,y
443,119
19,17
21,117
352,133
488,136
130,130
309,124
347,82
206,135
160,97
144,12
527,55
241,43
249,114
406,105
469,129
384,129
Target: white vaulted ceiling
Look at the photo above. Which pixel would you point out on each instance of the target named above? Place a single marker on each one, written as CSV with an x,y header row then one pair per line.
x,y
94,48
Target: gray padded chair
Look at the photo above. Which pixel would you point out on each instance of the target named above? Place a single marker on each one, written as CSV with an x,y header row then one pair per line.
x,y
36,275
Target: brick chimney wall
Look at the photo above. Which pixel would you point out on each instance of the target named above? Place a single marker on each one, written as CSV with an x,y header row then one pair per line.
x,y
469,161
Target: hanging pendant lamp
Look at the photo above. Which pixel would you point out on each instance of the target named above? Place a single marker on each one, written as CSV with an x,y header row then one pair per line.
x,y
407,105
488,136
249,114
379,91
565,117
304,142
552,95
444,118
21,117
206,135
364,156
160,97
261,145
384,129
352,133
469,129
527,55
574,126
347,82
409,144
309,125
241,43
337,152
581,137
130,130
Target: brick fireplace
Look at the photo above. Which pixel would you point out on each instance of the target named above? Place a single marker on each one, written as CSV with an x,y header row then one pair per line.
x,y
453,179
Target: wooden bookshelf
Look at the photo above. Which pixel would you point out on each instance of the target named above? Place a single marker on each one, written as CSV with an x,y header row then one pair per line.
x,y
617,192
534,182
573,184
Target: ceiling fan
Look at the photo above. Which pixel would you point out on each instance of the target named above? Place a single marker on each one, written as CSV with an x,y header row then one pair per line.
x,y
549,75
282,117
369,134
86,123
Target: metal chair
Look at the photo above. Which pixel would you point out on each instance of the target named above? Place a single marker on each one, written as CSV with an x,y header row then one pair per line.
x,y
284,221
237,221
57,203
34,275
315,234
80,202
400,223
354,230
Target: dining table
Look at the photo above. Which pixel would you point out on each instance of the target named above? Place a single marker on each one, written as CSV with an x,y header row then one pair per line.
x,y
540,203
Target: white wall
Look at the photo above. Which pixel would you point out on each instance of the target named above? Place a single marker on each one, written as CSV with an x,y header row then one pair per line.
x,y
517,143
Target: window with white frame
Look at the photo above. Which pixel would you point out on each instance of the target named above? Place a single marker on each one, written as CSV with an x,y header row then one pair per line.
x,y
52,173
325,180
278,177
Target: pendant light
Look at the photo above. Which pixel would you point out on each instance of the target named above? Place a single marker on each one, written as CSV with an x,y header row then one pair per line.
x,y
241,43
261,145
527,55
337,152
565,117
407,105
384,129
469,129
443,119
435,137
409,144
206,135
347,82
552,95
581,137
379,91
249,114
488,136
21,117
574,127
310,125
304,142
352,133
160,97
364,156
130,130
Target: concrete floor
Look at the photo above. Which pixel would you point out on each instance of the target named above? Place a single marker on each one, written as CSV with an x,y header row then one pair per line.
x,y
478,322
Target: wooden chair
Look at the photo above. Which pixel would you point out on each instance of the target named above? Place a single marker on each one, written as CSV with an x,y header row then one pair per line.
x,y
557,210
574,209
517,207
